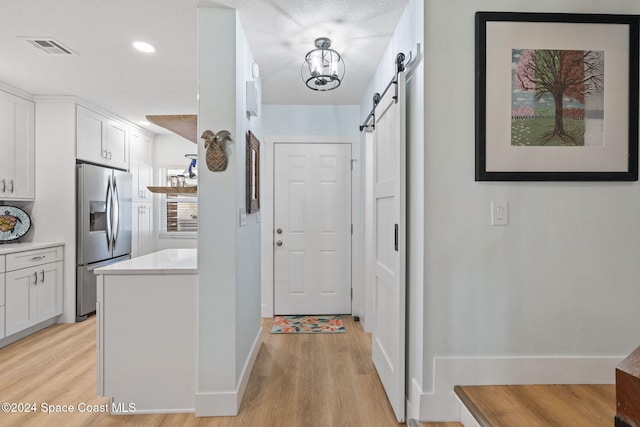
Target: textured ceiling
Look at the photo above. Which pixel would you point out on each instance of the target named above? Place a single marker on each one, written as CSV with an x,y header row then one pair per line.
x,y
108,72
281,32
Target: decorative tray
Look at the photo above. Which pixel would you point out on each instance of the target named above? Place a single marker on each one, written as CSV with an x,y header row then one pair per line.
x,y
14,223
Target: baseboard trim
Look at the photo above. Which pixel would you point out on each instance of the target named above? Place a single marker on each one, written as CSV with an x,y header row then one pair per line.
x,y
227,404
248,366
26,332
266,311
217,404
441,404
153,411
413,400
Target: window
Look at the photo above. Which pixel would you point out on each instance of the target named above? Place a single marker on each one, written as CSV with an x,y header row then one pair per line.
x,y
179,212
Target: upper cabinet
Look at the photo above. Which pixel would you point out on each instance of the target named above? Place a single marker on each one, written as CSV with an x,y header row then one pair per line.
x,y
101,139
17,145
141,163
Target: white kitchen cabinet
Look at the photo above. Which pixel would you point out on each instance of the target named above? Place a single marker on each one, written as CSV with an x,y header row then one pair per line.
x,y
17,145
142,230
141,165
91,130
147,331
1,305
118,144
2,322
1,289
33,293
100,139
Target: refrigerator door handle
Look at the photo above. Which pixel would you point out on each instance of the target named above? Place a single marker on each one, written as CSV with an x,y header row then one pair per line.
x,y
109,229
116,214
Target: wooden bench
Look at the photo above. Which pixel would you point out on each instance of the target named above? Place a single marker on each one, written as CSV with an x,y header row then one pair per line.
x,y
628,391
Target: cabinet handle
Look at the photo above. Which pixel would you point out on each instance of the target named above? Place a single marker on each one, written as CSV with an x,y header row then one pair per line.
x,y
37,258
42,279
109,154
35,278
104,153
11,183
4,185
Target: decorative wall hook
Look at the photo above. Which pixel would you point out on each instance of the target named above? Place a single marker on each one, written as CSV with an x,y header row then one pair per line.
x,y
214,143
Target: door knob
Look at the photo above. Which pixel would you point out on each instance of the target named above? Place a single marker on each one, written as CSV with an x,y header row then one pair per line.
x,y
279,231
279,243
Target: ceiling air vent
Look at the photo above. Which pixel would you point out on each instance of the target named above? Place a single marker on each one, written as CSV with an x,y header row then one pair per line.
x,y
50,46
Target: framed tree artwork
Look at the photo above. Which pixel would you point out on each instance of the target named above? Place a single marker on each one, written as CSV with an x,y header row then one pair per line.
x,y
253,173
556,97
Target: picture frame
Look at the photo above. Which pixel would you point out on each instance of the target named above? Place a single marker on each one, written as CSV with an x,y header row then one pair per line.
x,y
253,173
579,124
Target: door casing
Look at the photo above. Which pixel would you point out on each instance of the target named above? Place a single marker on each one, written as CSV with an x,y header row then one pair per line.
x,y
266,215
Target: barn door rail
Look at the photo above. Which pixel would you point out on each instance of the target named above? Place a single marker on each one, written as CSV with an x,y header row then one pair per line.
x,y
400,66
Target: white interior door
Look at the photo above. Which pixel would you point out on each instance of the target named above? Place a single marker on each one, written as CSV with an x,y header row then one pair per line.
x,y
312,228
389,236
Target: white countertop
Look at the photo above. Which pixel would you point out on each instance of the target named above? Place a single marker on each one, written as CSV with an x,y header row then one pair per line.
x,y
168,261
9,248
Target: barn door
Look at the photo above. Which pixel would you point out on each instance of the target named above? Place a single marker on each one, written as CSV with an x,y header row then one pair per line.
x,y
389,236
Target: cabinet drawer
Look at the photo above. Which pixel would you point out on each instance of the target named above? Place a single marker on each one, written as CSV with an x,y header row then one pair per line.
x,y
32,258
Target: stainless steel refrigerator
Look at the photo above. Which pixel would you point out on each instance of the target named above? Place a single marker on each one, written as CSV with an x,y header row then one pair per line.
x,y
103,203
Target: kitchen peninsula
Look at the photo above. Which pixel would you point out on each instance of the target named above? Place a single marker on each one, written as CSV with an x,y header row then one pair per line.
x,y
147,331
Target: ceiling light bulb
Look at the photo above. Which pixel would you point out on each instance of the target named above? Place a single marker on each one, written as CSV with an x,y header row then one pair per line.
x,y
334,59
144,47
316,63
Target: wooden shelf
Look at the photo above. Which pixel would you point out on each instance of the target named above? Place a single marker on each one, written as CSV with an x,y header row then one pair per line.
x,y
174,190
185,125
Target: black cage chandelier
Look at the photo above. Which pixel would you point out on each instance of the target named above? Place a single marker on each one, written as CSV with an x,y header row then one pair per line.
x,y
323,68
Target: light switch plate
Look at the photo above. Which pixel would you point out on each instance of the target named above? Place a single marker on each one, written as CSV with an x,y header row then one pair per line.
x,y
499,212
258,217
243,217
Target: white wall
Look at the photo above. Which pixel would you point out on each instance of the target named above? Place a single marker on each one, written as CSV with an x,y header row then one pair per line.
x,y
228,254
407,38
54,210
323,120
169,151
248,237
553,296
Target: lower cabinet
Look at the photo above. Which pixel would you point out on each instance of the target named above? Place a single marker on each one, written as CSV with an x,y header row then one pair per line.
x,y
32,295
1,322
142,230
2,305
30,288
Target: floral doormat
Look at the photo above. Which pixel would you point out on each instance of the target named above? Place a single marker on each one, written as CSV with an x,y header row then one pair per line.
x,y
307,325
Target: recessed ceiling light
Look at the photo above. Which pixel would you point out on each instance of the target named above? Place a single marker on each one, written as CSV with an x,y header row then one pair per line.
x,y
144,47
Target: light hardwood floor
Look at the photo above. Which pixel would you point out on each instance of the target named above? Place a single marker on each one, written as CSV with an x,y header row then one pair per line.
x,y
298,380
571,405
